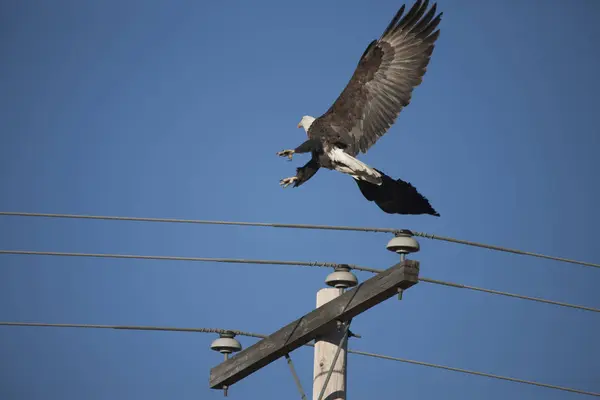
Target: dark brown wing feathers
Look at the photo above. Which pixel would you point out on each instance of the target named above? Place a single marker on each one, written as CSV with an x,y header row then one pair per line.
x,y
394,20
382,84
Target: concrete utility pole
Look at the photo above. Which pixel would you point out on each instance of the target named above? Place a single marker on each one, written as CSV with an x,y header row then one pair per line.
x,y
325,349
330,382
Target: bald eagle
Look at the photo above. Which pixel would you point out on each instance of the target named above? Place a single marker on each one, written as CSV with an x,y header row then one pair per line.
x,y
381,86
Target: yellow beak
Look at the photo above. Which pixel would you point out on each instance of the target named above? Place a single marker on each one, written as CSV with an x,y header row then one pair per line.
x,y
299,125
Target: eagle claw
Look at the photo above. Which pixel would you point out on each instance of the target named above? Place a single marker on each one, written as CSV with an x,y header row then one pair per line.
x,y
285,182
286,153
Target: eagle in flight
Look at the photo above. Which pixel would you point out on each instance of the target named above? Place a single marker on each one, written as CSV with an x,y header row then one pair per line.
x,y
381,86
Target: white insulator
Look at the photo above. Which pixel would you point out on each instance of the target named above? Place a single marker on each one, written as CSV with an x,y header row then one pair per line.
x,y
403,243
341,278
226,344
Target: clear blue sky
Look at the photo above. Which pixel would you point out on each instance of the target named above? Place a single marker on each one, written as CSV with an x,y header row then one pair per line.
x,y
176,109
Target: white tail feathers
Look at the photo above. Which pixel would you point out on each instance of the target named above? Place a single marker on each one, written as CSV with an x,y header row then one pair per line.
x,y
345,163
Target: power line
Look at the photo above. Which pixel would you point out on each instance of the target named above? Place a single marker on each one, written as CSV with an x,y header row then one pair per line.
x,y
202,222
292,263
490,291
169,258
470,372
501,293
256,335
508,294
504,249
135,328
304,226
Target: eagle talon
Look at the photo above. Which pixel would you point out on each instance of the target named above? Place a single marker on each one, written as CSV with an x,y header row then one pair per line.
x,y
285,182
286,153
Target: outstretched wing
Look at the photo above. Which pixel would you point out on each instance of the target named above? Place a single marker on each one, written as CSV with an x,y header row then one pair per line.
x,y
382,84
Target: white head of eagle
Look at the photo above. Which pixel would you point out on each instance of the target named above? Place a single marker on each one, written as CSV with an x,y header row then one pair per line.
x,y
306,122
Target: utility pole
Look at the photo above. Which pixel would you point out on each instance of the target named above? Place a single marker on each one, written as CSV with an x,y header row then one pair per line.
x,y
326,346
325,349
328,325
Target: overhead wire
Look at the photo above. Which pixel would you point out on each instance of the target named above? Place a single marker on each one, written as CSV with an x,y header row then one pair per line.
x,y
170,258
135,328
471,372
490,291
292,263
504,249
508,294
261,336
305,226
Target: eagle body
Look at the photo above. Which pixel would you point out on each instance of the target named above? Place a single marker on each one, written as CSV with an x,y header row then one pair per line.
x,y
381,86
329,151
